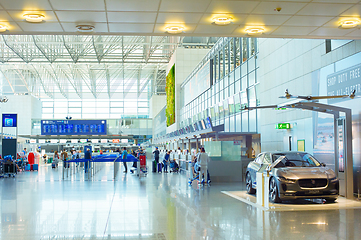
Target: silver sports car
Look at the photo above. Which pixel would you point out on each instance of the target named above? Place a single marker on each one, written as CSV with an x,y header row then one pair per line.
x,y
294,175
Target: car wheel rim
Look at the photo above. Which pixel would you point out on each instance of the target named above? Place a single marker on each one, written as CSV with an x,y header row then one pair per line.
x,y
272,190
248,183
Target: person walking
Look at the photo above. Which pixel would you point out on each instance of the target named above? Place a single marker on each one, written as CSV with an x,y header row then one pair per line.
x,y
56,158
64,157
88,156
203,160
165,161
124,157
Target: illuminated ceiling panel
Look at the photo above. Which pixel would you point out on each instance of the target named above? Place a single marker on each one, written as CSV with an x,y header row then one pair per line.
x,y
49,66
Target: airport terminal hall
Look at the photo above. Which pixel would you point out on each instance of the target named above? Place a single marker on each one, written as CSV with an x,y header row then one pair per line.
x,y
180,119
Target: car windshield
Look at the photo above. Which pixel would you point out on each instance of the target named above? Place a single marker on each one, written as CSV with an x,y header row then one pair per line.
x,y
295,160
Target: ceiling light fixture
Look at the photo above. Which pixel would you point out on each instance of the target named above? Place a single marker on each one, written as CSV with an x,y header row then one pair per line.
x,y
254,31
346,24
174,30
34,17
222,20
85,28
3,28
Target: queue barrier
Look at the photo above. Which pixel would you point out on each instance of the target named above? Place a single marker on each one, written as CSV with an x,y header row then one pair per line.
x,y
94,165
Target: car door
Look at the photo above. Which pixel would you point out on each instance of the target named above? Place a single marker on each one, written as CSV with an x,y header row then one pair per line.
x,y
257,163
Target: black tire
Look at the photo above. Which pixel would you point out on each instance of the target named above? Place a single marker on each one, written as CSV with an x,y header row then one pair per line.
x,y
249,187
273,191
330,200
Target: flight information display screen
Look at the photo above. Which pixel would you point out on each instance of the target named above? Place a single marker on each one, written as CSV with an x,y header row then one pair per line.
x,y
73,127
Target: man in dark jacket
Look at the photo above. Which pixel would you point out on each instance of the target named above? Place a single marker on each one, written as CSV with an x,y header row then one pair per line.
x,y
156,155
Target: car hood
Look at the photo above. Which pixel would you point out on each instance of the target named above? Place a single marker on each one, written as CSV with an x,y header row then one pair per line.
x,y
305,172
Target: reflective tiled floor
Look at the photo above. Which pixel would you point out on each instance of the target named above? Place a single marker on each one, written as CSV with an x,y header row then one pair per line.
x,y
160,206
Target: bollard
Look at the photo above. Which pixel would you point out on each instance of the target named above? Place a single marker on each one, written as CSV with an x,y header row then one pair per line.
x,y
138,169
266,189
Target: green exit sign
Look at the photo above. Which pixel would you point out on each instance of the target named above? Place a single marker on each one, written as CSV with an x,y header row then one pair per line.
x,y
283,126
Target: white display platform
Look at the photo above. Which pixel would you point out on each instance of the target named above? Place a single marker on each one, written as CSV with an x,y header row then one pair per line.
x,y
299,205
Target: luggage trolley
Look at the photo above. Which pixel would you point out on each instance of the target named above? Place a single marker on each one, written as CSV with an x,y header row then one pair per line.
x,y
8,167
142,171
198,177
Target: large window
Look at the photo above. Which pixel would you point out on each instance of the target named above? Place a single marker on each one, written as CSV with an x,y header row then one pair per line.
x,y
92,109
235,87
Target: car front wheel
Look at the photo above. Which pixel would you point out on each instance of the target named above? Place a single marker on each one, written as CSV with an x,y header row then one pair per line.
x,y
273,191
249,187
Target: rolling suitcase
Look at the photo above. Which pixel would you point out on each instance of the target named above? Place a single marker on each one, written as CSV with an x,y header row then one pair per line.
x,y
142,160
159,167
35,167
27,167
154,168
53,165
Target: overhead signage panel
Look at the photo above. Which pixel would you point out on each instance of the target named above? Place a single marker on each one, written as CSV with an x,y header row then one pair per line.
x,y
73,127
9,120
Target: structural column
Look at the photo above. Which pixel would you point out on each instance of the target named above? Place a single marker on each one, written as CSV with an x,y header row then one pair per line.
x,y
249,145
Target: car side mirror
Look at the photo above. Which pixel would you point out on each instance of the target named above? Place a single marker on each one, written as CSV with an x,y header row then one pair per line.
x,y
323,164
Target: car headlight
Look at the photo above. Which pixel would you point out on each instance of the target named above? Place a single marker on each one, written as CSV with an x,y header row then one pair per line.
x,y
286,180
334,179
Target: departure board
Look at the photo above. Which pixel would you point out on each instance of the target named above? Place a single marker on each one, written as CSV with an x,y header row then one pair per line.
x,y
73,127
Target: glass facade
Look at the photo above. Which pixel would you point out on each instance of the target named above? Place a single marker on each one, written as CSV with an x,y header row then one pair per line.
x,y
95,109
233,85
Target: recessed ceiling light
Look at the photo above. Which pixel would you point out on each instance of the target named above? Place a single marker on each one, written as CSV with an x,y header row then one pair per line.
x,y
85,28
174,29
349,23
3,28
34,17
222,20
254,31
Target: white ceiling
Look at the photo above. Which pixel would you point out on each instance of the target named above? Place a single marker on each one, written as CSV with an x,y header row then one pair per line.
x,y
298,18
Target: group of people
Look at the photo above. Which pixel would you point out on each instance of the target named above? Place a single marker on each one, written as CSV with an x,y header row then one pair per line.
x,y
199,161
64,156
124,155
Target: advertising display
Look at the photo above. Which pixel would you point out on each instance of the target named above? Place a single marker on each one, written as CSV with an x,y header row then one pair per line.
x,y
9,120
339,78
170,90
73,127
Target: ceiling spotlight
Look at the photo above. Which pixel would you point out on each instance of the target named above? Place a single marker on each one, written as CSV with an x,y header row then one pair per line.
x,y
174,30
34,17
254,31
85,28
349,24
3,28
222,21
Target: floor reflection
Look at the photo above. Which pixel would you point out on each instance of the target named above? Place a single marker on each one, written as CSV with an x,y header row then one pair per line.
x,y
159,206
